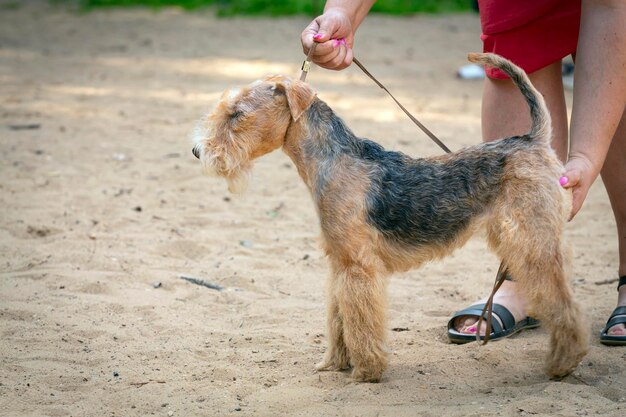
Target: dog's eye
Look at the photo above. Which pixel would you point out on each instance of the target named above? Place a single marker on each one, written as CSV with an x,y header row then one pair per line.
x,y
236,115
277,90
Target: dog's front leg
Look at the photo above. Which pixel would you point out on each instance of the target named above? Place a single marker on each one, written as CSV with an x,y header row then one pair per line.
x,y
361,301
336,357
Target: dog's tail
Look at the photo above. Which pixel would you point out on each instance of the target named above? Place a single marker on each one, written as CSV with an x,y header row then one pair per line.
x,y
540,117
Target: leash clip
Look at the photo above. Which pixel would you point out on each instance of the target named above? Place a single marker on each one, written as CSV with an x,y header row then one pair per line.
x,y
306,64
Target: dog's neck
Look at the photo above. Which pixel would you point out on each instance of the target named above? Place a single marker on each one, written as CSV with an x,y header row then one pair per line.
x,y
316,140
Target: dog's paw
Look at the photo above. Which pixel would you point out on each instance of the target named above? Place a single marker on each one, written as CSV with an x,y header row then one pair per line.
x,y
367,375
562,360
331,366
568,346
560,367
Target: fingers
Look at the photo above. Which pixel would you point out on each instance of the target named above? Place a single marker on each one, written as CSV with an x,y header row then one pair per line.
x,y
333,54
329,27
578,196
332,32
306,38
576,177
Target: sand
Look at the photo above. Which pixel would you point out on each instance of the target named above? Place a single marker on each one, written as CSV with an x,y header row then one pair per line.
x,y
103,208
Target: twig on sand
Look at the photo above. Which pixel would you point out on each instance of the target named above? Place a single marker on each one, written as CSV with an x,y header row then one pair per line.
x,y
141,384
202,282
607,281
400,329
29,126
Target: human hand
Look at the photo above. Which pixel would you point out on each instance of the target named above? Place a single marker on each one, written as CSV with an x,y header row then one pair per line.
x,y
579,175
334,35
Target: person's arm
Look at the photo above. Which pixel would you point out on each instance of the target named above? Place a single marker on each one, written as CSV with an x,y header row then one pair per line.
x,y
334,32
599,93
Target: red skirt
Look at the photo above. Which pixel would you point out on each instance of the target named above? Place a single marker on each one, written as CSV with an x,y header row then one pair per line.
x,y
532,34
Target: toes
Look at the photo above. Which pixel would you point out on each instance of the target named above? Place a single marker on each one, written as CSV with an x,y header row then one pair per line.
x,y
469,325
470,321
617,330
463,322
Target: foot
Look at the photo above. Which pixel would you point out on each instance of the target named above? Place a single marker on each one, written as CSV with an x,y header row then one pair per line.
x,y
620,328
507,296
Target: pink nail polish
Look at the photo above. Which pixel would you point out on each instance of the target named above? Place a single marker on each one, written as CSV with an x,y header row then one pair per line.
x,y
335,43
472,329
317,36
342,41
563,180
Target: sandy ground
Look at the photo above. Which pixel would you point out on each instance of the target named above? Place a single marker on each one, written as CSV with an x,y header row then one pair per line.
x,y
101,200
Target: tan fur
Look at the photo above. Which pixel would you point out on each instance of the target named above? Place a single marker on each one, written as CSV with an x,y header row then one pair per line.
x,y
524,222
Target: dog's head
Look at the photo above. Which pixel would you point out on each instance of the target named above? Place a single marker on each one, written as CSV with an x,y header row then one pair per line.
x,y
247,123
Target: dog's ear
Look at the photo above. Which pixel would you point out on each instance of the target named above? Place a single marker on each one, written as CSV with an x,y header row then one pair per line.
x,y
299,96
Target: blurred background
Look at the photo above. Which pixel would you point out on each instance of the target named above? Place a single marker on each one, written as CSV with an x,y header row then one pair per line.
x,y
281,7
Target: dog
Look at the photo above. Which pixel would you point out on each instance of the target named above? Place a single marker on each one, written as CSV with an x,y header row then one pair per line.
x,y
382,211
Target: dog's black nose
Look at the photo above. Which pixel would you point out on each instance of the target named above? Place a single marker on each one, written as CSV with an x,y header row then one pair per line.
x,y
195,152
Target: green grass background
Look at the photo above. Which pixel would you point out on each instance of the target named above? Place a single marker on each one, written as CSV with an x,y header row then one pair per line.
x,y
280,7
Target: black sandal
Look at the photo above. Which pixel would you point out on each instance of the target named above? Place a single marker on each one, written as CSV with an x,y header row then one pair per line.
x,y
497,331
618,316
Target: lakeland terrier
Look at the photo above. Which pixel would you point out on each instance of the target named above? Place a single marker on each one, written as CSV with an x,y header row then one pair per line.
x,y
382,211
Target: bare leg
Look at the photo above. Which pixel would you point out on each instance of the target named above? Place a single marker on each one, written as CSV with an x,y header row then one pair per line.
x,y
614,178
505,113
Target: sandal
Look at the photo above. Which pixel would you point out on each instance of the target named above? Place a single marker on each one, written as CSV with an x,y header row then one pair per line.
x,y
618,316
498,331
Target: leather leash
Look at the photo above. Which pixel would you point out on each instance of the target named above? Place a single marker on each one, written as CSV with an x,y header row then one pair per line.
x,y
488,308
502,270
417,122
306,66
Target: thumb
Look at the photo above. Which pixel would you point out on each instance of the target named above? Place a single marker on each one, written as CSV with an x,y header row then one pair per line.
x,y
570,178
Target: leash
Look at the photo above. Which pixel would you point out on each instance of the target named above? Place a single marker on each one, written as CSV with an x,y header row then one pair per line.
x,y
488,308
306,66
417,122
502,270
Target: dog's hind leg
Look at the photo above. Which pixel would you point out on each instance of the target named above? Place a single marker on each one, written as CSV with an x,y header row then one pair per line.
x,y
551,300
531,248
361,298
336,357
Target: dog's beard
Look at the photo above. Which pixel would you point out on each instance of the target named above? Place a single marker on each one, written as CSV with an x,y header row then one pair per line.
x,y
237,175
231,163
238,182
